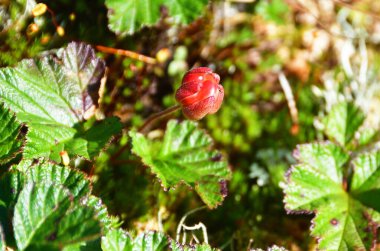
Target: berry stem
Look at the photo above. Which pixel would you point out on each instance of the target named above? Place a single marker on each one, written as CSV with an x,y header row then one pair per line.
x,y
147,124
154,117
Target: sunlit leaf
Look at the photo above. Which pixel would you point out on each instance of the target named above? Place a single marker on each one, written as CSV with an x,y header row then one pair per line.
x,y
117,240
184,155
127,17
199,247
151,241
342,122
46,217
53,96
343,219
317,177
73,180
108,222
273,248
72,219
365,185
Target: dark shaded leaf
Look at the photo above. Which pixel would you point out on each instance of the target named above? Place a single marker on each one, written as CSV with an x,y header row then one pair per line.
x,y
10,143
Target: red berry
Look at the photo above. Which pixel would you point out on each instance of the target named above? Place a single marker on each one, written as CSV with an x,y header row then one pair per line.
x,y
200,93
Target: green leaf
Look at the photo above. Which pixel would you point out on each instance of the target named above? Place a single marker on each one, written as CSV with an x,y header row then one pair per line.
x,y
315,184
75,181
9,135
365,185
273,248
53,96
151,241
84,246
91,141
342,122
277,248
201,247
273,10
46,91
184,156
127,17
83,206
108,222
46,217
11,185
366,136
117,240
341,226
78,225
317,177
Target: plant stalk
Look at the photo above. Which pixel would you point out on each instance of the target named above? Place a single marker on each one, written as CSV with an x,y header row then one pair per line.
x,y
154,117
147,124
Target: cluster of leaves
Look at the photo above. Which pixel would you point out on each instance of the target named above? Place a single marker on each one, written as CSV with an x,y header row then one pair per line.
x,y
339,182
50,205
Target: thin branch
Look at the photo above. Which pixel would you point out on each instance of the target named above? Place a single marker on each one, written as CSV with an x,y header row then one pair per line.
x,y
126,53
53,18
147,124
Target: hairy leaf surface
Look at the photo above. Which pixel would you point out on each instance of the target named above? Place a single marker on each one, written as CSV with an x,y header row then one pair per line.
x,y
342,122
74,181
46,217
365,185
127,17
9,135
184,155
117,240
344,217
201,247
53,96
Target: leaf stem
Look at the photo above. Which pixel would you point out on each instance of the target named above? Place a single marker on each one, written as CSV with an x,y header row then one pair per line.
x,y
154,117
147,124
